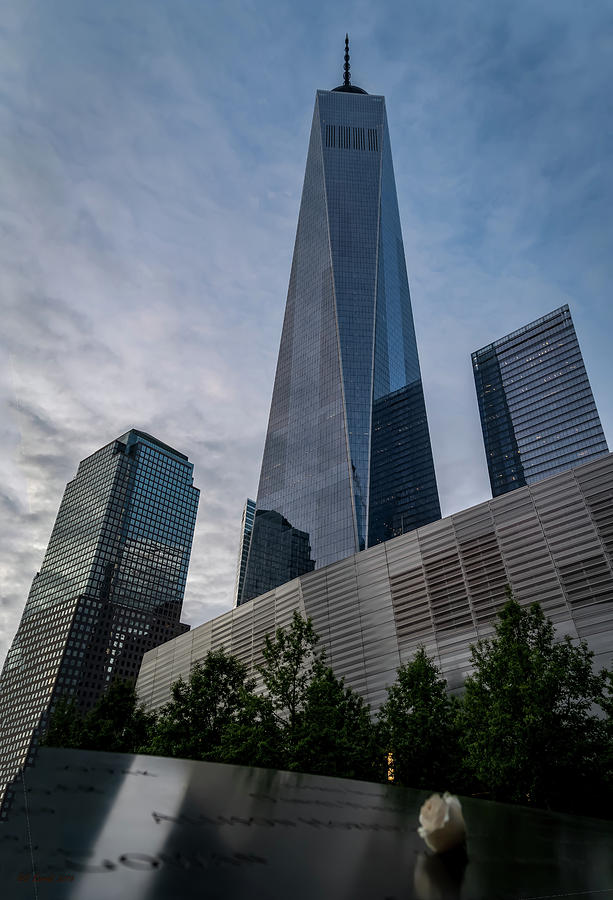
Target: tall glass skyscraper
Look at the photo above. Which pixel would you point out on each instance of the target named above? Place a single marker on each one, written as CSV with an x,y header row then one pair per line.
x,y
347,458
243,549
538,414
110,587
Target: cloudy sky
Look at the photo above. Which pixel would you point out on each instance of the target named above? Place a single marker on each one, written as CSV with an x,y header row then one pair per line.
x,y
151,164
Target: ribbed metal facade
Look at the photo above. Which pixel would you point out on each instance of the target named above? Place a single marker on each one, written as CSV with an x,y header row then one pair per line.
x,y
439,586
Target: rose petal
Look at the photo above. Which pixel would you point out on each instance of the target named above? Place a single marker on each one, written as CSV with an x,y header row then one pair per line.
x,y
442,823
433,813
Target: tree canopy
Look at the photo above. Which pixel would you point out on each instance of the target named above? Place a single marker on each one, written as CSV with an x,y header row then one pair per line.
x,y
534,725
115,723
289,665
193,723
323,726
530,721
335,734
417,725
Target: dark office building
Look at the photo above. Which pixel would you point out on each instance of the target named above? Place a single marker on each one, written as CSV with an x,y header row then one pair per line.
x,y
281,553
538,414
347,459
110,587
243,548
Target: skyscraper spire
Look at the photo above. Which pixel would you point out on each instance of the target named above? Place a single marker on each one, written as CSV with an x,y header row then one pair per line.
x,y
346,67
346,87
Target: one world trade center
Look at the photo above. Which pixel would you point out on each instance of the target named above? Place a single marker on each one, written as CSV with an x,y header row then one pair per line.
x,y
347,458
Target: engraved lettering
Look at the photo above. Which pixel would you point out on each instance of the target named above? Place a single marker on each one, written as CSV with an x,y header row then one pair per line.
x,y
140,861
105,866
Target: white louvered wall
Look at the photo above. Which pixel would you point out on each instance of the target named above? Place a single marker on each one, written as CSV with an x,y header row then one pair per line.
x,y
439,586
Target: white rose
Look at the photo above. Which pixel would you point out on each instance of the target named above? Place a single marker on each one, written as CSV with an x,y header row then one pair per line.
x,y
441,822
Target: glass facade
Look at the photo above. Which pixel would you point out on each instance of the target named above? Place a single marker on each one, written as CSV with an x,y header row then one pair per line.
x,y
243,549
538,414
347,458
110,586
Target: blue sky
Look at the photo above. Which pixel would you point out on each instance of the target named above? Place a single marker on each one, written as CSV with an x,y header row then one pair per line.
x,y
151,164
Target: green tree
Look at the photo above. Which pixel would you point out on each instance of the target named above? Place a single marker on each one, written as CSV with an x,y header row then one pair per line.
x,y
192,724
417,726
287,671
115,723
334,732
530,732
253,737
65,727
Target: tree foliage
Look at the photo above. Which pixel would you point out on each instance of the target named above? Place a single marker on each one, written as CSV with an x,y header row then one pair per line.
x,y
287,670
65,725
417,725
115,723
535,724
254,737
530,731
335,734
193,723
